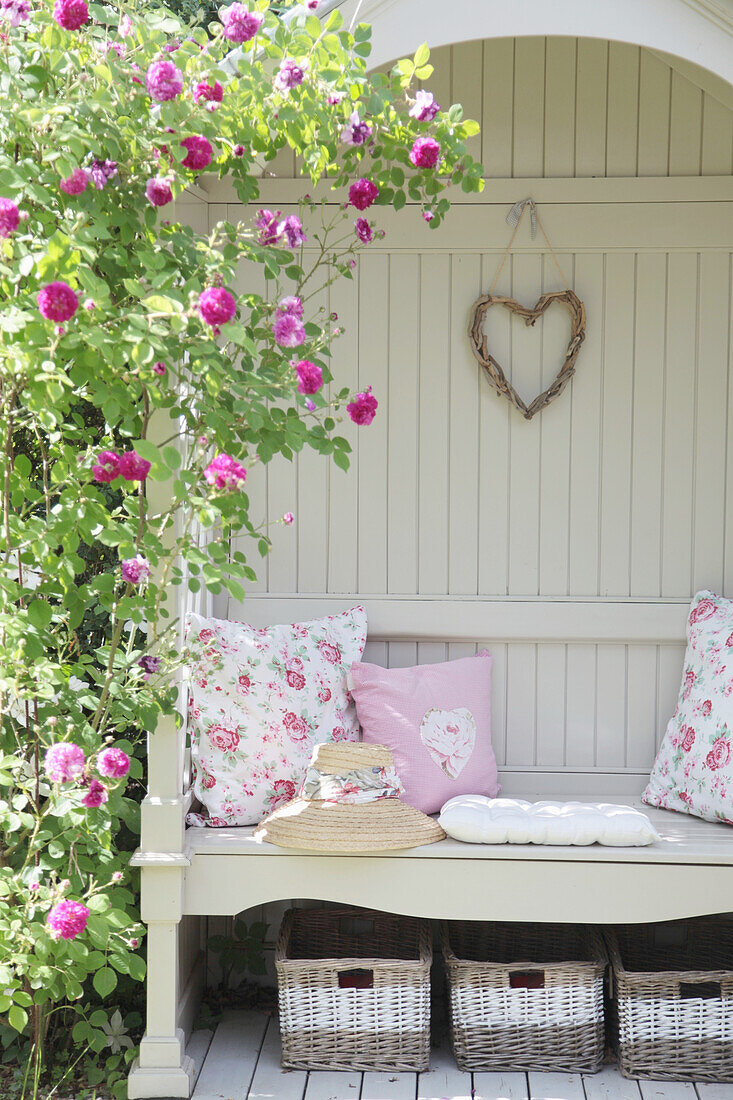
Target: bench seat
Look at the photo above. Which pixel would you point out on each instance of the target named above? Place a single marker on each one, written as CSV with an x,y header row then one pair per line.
x,y
688,872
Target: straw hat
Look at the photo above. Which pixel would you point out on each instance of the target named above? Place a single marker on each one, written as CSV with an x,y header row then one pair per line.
x,y
322,825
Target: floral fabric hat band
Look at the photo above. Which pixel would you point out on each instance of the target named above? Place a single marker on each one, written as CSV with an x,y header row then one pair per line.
x,y
359,786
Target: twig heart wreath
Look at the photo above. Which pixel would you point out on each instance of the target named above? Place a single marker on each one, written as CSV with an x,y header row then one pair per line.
x,y
493,370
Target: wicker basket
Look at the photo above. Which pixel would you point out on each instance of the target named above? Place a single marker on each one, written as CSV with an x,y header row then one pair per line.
x,y
354,990
519,1001
674,999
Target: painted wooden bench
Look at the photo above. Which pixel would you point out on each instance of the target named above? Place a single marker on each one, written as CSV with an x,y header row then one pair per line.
x,y
196,873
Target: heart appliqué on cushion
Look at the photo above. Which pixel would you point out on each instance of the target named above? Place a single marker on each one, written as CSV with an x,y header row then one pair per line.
x,y
492,368
450,738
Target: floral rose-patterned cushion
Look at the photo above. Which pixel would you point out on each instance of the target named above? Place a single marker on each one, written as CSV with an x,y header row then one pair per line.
x,y
436,719
693,771
259,700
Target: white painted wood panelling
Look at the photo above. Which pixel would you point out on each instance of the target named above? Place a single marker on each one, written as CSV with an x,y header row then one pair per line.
x,y
577,107
618,494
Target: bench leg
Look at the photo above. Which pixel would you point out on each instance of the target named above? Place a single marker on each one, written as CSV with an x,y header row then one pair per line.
x,y
162,1069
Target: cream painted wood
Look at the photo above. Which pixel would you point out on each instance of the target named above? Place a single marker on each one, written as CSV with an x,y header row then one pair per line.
x,y
555,1086
667,1090
270,1081
444,1078
565,106
233,1054
335,1085
608,1085
387,1086
501,1086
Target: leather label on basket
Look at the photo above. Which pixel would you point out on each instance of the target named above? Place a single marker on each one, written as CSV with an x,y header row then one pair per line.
x,y
527,979
700,991
356,979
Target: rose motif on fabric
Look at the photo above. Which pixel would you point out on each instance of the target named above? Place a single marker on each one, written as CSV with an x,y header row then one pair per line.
x,y
719,754
688,739
224,739
283,790
296,726
705,609
450,738
243,684
295,679
330,652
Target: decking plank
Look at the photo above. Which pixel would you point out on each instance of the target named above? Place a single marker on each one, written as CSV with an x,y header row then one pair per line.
x,y
332,1085
669,1090
444,1080
555,1086
229,1067
388,1086
610,1085
198,1047
271,1081
714,1092
500,1086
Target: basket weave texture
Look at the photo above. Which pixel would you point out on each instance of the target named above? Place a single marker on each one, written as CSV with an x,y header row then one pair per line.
x,y
525,996
354,990
674,998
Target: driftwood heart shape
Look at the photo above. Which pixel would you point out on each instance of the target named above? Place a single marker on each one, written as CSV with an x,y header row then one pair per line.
x,y
494,371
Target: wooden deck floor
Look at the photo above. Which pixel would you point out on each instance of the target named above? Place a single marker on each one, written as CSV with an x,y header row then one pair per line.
x,y
241,1061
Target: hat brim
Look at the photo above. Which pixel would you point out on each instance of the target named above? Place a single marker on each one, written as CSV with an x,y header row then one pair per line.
x,y
381,826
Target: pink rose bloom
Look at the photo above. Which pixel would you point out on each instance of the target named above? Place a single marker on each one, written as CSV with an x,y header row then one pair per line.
x,y
135,570
425,152
158,191
289,519
107,467
159,368
310,376
267,222
15,11
289,75
705,609
719,754
224,739
296,726
424,109
67,919
207,93
356,132
64,762
132,467
125,27
199,153
76,183
70,14
239,23
289,331
428,215
363,408
295,679
113,763
224,472
292,229
57,302
363,193
217,306
9,217
364,230
163,80
96,795
291,305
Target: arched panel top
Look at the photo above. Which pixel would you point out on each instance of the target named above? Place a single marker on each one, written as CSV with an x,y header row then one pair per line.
x,y
698,31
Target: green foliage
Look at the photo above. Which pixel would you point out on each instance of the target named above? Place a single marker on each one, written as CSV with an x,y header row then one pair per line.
x,y
73,631
242,952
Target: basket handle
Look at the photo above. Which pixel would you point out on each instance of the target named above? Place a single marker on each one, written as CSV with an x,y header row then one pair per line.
x,y
527,979
702,991
356,979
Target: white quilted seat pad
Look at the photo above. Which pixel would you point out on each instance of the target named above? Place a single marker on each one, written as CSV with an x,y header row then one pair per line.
x,y
476,819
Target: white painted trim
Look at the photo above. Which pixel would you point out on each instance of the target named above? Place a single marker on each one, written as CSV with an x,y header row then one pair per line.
x,y
502,191
696,30
471,619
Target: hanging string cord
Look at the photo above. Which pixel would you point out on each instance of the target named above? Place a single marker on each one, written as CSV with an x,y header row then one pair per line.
x,y
514,217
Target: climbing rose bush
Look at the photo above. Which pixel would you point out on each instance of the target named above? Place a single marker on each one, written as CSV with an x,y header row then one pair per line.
x,y
142,377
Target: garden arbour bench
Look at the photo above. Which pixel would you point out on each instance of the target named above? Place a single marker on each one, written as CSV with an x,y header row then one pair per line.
x,y
193,873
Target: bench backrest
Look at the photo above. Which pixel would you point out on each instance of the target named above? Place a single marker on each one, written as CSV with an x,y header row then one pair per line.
x,y
582,690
